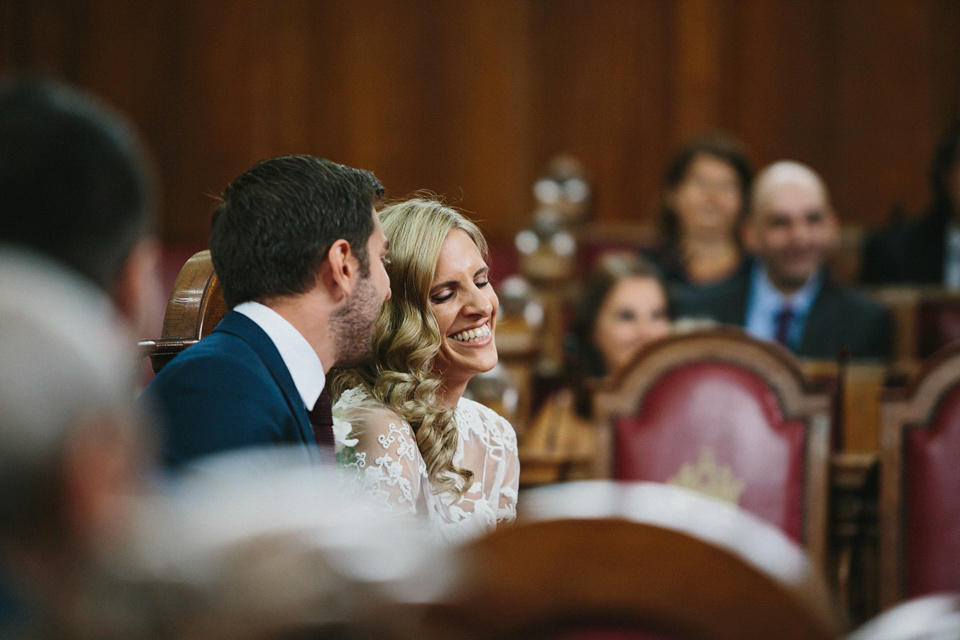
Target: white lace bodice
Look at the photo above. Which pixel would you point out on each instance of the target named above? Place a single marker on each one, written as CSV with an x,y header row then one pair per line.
x,y
381,448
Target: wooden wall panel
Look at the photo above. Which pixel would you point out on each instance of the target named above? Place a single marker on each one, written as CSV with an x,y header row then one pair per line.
x,y
879,86
470,99
601,93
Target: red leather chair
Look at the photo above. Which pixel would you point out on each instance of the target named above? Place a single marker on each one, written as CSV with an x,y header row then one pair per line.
x,y
920,483
938,322
722,413
605,561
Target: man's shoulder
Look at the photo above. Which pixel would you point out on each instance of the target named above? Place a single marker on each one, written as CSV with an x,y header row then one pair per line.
x,y
851,299
221,394
908,251
842,316
469,410
216,351
222,360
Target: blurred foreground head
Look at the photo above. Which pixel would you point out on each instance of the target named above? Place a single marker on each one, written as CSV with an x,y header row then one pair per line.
x,y
69,450
257,544
76,186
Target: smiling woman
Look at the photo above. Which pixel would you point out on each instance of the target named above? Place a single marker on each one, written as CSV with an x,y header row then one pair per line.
x,y
414,441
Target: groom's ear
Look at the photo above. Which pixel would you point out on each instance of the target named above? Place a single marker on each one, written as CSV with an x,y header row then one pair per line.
x,y
339,270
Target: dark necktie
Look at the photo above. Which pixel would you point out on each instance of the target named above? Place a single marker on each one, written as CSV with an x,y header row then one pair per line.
x,y
321,418
784,319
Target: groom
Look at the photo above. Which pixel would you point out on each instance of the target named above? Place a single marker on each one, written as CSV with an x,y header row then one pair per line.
x,y
299,252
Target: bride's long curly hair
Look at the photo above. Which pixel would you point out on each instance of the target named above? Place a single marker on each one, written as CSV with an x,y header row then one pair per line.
x,y
406,340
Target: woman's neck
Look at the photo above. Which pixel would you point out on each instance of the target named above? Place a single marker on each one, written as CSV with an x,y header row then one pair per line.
x,y
707,260
449,395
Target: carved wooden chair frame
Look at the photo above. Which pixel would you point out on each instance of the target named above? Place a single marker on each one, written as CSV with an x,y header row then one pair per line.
x,y
641,556
901,409
194,308
799,399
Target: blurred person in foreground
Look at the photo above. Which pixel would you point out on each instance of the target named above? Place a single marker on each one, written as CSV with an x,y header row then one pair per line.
x,y
77,187
255,544
416,443
925,250
261,544
71,453
622,308
786,295
300,255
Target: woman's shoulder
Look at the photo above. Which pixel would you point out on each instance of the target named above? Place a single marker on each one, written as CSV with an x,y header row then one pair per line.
x,y
469,406
357,406
473,416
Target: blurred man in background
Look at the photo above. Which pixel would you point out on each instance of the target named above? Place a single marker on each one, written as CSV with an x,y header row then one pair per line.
x,y
787,295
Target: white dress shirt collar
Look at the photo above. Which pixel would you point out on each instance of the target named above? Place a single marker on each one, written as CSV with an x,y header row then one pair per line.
x,y
297,354
766,301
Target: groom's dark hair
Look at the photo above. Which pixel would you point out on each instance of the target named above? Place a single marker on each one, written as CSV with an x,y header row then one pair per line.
x,y
278,220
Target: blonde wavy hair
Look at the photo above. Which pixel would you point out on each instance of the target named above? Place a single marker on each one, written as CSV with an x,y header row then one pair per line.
x,y
406,339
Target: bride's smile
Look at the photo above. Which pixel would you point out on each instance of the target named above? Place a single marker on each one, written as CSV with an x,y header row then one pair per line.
x,y
465,307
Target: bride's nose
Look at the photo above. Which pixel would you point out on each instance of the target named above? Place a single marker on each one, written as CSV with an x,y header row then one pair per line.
x,y
477,303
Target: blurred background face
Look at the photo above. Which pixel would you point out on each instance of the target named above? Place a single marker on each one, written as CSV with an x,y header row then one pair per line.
x,y
708,200
633,314
793,230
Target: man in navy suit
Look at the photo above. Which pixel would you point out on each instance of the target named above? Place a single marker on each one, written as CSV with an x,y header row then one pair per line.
x,y
924,250
299,252
785,293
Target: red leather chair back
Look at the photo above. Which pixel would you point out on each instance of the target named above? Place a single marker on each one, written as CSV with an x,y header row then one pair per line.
x,y
711,417
932,500
938,323
730,416
920,491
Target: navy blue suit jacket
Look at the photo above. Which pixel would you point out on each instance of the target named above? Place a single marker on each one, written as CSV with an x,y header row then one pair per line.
x,y
839,318
912,252
230,390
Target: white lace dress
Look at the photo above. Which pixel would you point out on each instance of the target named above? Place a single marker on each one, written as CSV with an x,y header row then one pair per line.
x,y
380,447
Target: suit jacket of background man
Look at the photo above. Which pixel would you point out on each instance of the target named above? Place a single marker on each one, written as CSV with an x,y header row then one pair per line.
x,y
910,252
230,390
839,317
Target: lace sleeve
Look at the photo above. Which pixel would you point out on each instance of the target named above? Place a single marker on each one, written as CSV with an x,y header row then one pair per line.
x,y
489,449
379,447
507,505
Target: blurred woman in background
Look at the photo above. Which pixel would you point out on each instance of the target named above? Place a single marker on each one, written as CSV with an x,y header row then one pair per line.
x,y
623,307
704,202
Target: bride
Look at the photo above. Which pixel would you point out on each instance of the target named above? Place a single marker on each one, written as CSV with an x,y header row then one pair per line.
x,y
403,424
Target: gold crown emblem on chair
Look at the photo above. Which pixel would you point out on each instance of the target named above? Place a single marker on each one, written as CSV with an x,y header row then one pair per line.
x,y
706,477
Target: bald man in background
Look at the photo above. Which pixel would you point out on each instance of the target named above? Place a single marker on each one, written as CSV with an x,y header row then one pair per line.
x,y
786,294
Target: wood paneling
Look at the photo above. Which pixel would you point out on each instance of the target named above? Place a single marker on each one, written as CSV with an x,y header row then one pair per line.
x,y
470,99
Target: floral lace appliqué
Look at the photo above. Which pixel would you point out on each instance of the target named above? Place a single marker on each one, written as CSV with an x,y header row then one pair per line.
x,y
397,476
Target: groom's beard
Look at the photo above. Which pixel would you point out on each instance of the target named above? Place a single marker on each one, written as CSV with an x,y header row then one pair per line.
x,y
352,327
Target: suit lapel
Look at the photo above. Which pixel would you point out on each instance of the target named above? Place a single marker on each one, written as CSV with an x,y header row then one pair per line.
x,y
248,331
